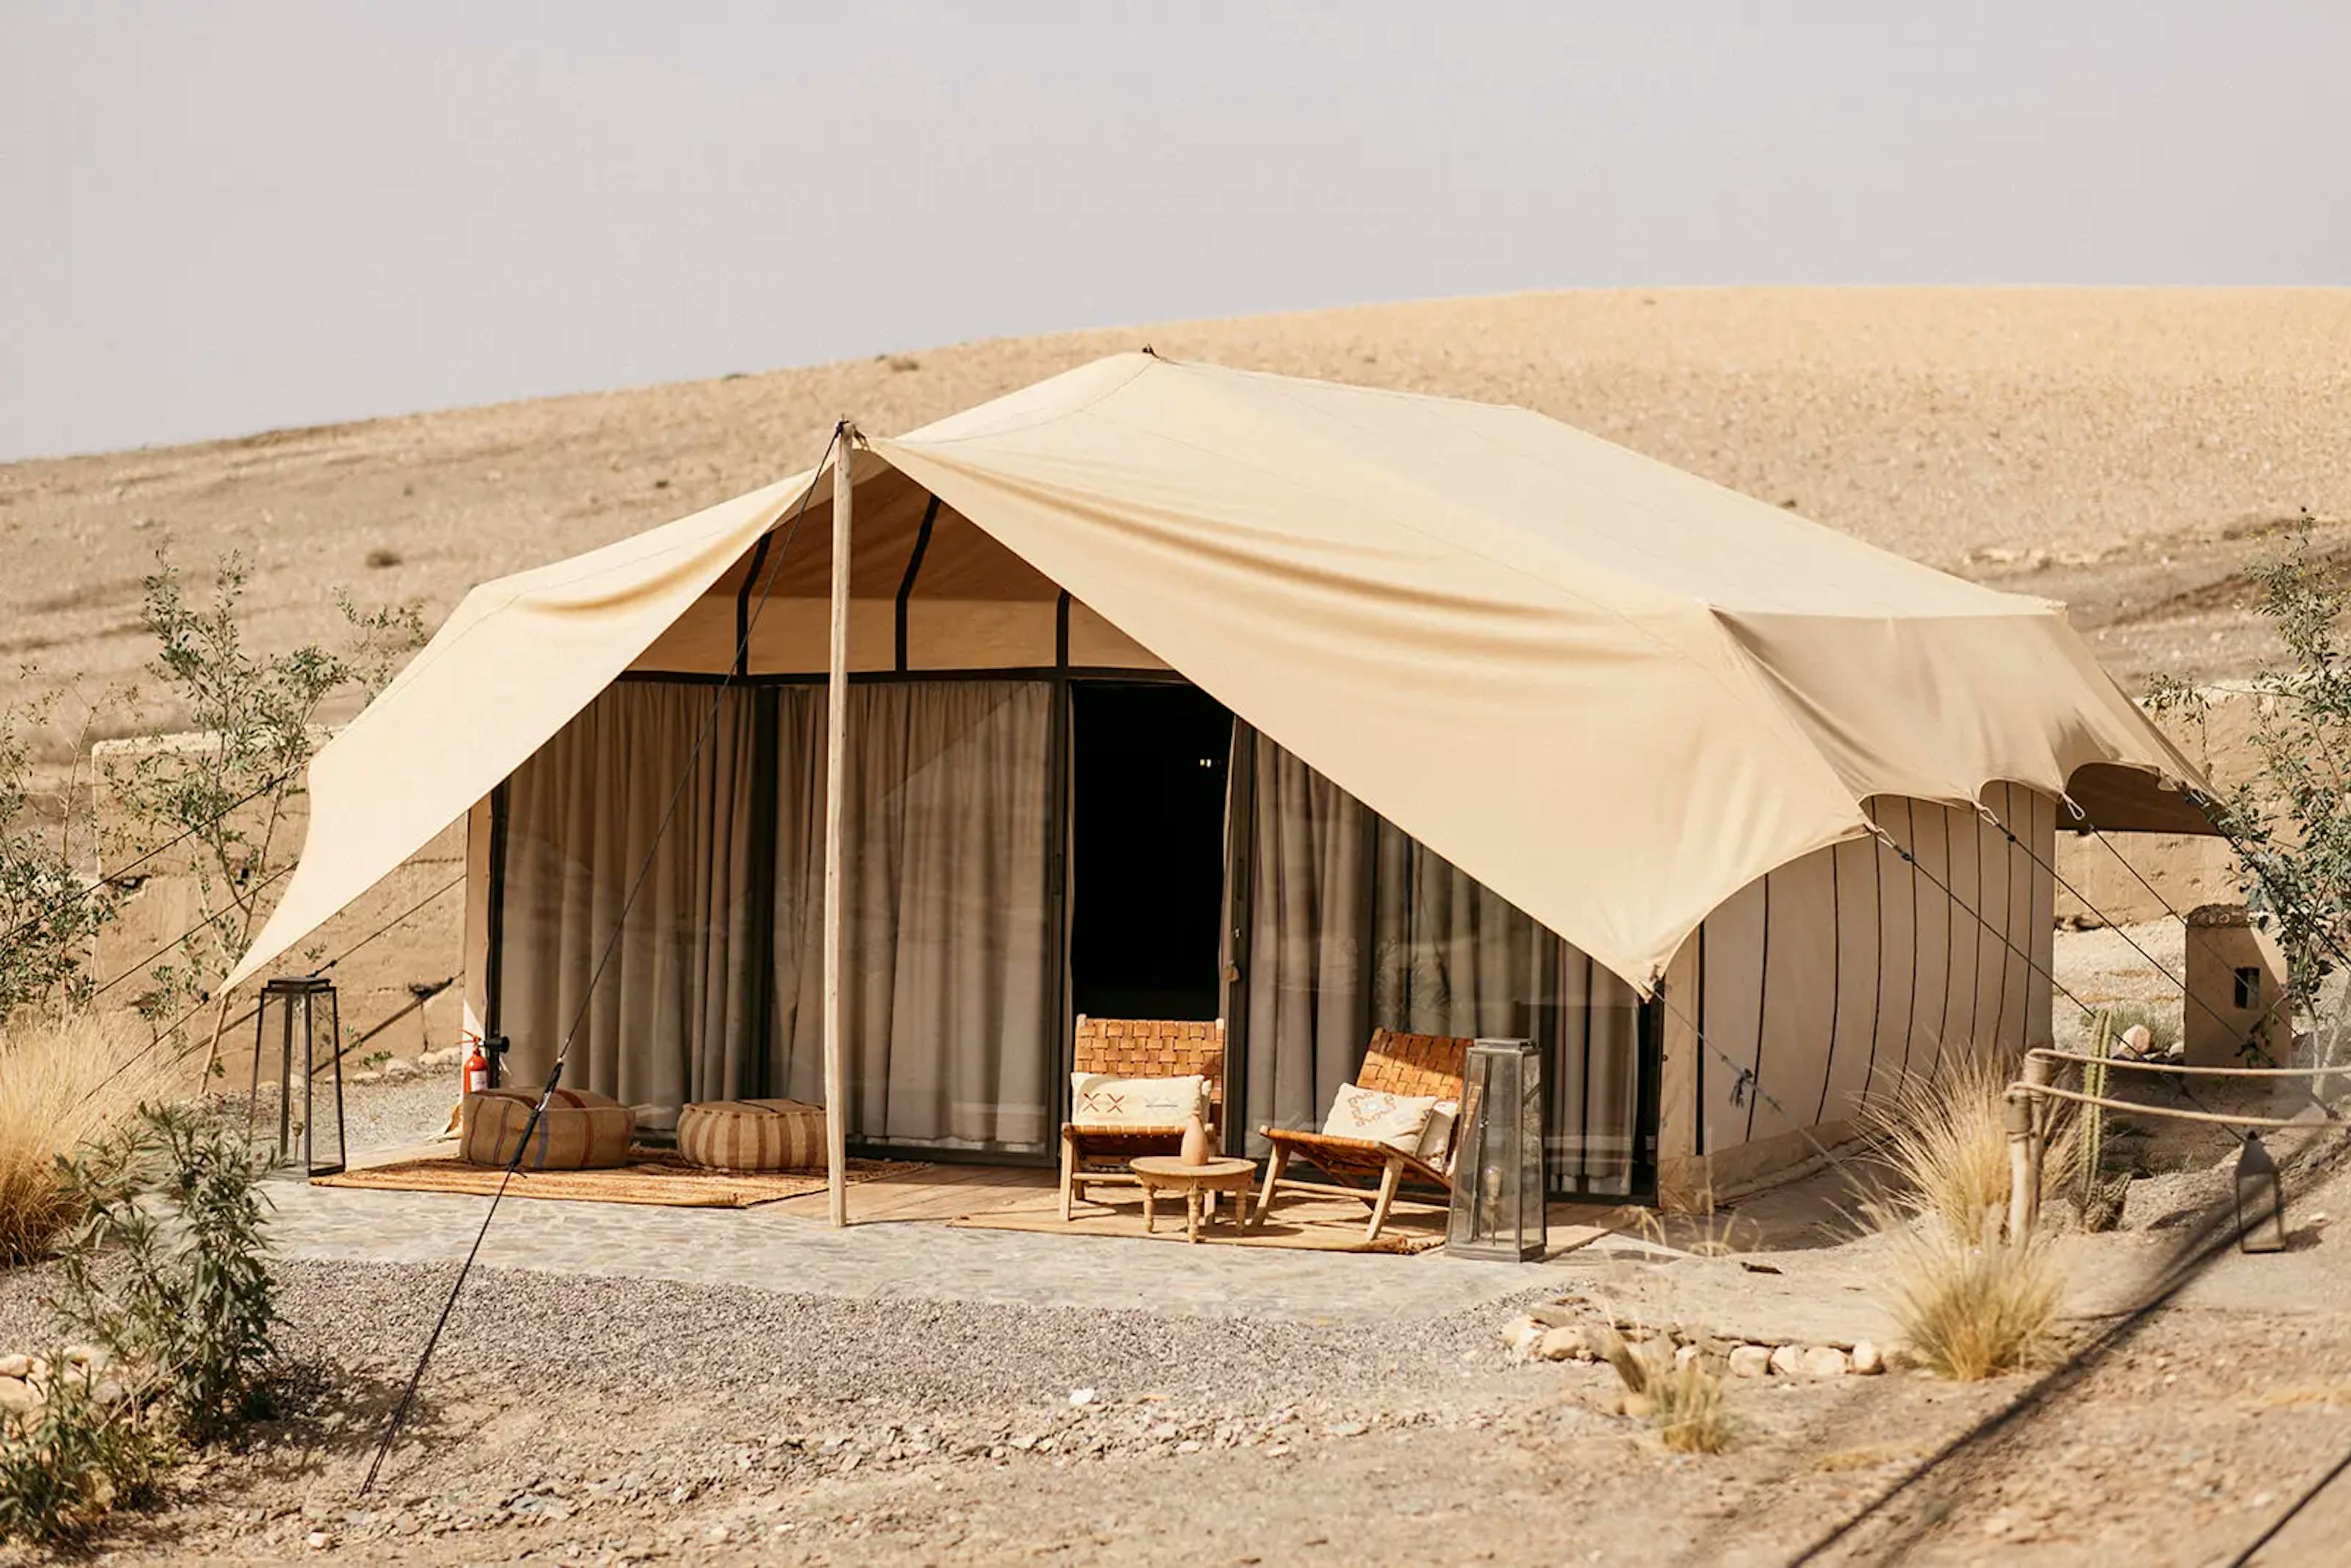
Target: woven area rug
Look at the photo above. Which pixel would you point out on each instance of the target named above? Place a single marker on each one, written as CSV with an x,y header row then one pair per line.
x,y
658,1177
1309,1222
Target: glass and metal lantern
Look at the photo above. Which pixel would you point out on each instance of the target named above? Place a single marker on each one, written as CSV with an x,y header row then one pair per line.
x,y
2261,1199
299,1020
1498,1179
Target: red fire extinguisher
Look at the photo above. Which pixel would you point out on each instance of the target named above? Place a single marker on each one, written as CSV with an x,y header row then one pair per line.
x,y
477,1070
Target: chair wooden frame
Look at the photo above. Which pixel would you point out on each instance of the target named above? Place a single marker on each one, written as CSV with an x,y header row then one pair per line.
x,y
1396,1063
1138,1047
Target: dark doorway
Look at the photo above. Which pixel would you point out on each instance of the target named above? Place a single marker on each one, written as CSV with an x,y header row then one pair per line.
x,y
1147,849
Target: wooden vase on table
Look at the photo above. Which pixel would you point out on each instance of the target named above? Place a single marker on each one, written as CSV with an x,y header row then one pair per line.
x,y
1196,1150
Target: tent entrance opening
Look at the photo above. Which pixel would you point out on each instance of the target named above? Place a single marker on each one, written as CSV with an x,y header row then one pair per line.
x,y
1146,849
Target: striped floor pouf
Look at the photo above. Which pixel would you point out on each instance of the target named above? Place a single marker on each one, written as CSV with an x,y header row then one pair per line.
x,y
752,1134
581,1131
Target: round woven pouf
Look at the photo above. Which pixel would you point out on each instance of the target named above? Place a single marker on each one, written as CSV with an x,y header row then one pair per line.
x,y
581,1131
752,1134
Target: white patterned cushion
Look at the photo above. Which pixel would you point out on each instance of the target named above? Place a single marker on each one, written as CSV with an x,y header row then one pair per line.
x,y
1436,1138
1099,1100
1396,1120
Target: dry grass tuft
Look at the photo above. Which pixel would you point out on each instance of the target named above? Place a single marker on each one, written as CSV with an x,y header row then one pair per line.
x,y
63,1082
1973,1311
1690,1415
1971,1303
1680,1397
1946,1137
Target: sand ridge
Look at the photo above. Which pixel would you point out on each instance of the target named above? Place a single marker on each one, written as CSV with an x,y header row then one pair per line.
x,y
2128,450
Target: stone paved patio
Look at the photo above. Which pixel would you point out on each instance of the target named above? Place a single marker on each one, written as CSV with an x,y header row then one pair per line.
x,y
766,1248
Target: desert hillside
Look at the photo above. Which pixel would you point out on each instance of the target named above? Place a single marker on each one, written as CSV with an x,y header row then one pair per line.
x,y
2125,450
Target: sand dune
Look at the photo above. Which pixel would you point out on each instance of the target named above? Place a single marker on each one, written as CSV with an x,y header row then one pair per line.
x,y
2126,449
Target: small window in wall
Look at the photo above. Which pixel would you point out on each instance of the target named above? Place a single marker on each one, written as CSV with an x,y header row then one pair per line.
x,y
2249,985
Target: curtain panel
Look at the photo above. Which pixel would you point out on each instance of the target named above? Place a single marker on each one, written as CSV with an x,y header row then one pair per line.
x,y
950,965
1353,925
674,1015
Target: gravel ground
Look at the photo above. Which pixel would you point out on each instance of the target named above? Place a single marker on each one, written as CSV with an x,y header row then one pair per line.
x,y
588,1421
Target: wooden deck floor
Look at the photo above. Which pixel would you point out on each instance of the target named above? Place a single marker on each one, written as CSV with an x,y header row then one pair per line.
x,y
933,1194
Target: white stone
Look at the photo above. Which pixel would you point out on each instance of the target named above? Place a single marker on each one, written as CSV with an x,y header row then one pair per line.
x,y
399,1070
1788,1361
2136,1040
1522,1334
1566,1344
1684,1355
1824,1361
1749,1360
1082,1395
1345,1429
15,1366
1868,1361
447,1056
17,1395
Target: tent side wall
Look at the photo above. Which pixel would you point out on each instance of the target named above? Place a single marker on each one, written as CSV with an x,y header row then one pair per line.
x,y
1846,972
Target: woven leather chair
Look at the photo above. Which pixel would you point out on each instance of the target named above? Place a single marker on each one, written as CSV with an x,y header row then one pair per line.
x,y
1396,1063
1138,1047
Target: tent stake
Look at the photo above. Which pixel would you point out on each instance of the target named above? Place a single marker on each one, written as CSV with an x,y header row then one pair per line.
x,y
836,744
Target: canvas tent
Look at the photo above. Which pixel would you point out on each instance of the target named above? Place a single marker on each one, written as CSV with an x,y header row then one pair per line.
x,y
1515,713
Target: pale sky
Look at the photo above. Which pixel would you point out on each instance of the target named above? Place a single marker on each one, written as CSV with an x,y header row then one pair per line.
x,y
221,217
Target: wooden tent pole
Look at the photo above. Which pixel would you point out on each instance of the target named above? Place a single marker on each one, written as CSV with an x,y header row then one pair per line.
x,y
836,746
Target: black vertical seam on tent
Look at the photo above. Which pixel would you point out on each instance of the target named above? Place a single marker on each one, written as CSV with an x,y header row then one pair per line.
x,y
1836,979
913,567
1583,1094
1648,1095
766,804
1060,1032
1877,987
1239,913
1697,1122
1558,953
1763,1015
1950,941
1365,919
1062,635
1910,1001
2007,917
1975,971
494,960
2031,902
2041,929
743,607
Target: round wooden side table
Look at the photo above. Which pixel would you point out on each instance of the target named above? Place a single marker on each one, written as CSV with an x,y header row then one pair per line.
x,y
1199,1183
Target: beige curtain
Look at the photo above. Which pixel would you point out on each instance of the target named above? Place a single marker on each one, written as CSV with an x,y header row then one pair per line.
x,y
672,1019
1446,955
1309,926
949,967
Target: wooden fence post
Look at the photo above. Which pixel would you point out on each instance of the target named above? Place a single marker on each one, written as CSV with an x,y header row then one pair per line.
x,y
2027,1121
2017,1116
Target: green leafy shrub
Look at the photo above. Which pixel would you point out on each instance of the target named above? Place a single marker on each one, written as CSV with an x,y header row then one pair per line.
x,y
2289,817
77,1459
165,1269
168,1268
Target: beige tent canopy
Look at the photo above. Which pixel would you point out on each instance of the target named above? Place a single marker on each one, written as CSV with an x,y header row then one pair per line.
x,y
1613,692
